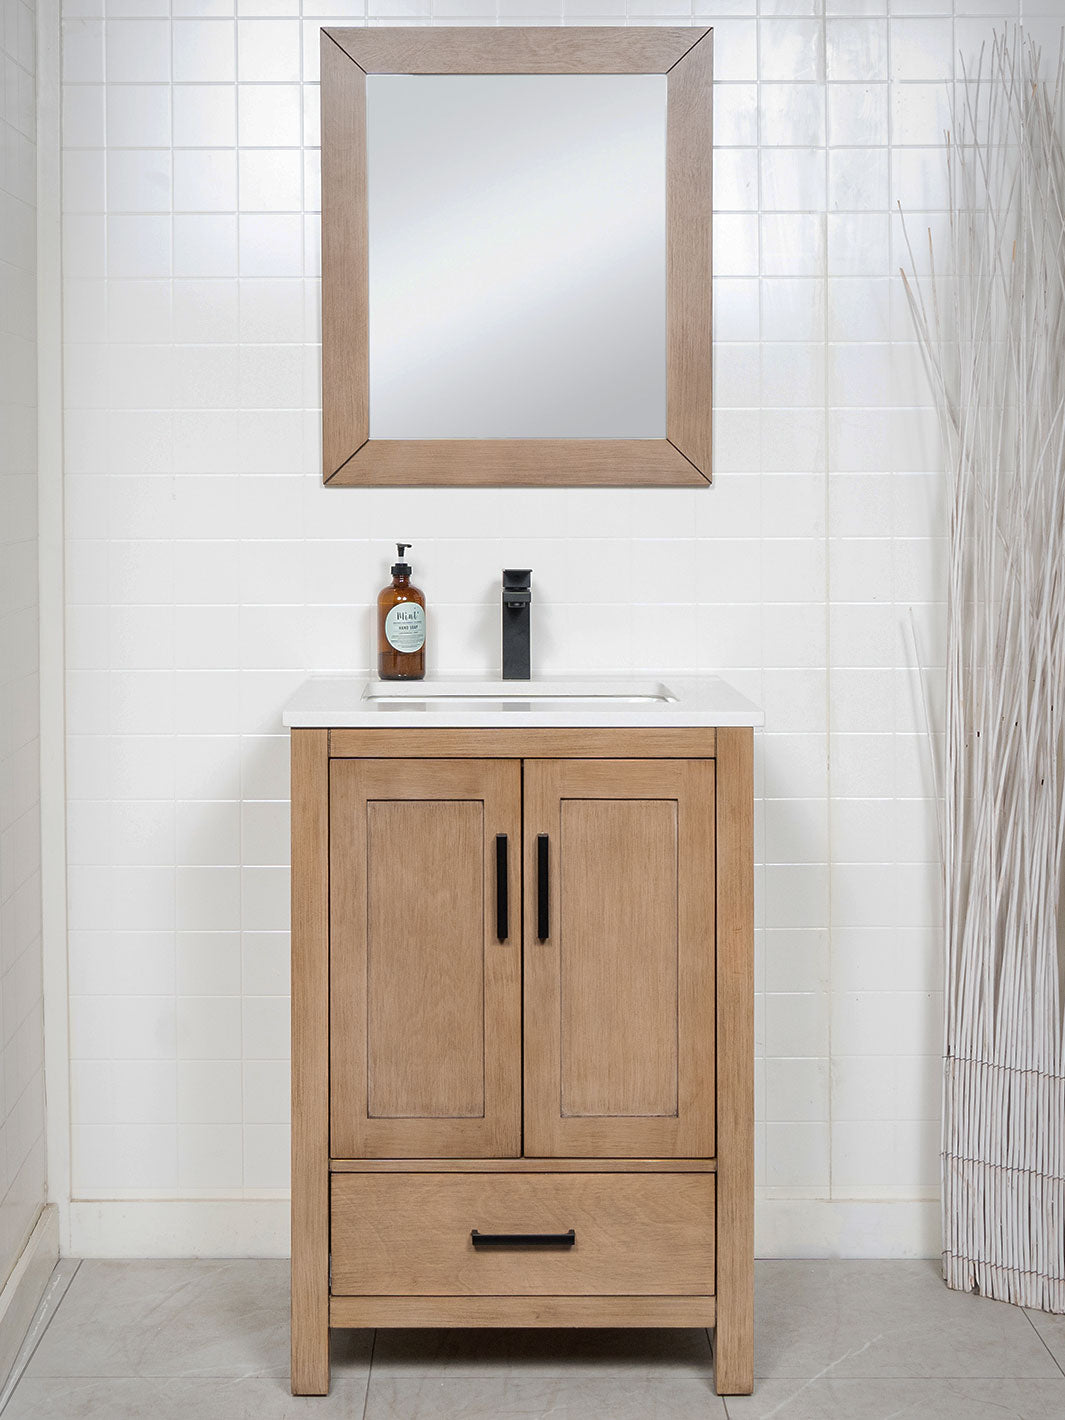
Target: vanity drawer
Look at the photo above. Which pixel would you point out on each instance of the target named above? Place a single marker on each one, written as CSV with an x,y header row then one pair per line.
x,y
635,1234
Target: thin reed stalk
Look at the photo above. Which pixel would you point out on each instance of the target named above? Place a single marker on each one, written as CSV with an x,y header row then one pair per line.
x,y
991,322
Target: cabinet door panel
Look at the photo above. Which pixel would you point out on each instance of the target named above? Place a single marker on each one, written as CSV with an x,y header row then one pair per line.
x,y
619,998
425,960
606,1006
424,998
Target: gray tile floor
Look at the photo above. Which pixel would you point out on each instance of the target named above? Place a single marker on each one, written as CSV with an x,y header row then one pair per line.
x,y
166,1340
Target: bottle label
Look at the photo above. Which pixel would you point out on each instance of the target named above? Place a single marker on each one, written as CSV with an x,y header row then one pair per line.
x,y
405,627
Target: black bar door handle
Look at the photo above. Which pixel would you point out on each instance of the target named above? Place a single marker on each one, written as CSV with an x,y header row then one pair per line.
x,y
523,1239
543,901
502,897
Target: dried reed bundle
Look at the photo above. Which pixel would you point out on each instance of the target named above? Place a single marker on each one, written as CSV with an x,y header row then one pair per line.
x,y
993,331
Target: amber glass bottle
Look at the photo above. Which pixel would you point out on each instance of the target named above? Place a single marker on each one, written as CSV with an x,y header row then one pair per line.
x,y
401,625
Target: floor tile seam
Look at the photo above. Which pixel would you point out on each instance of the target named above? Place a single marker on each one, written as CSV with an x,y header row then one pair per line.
x,y
221,1377
369,1375
1054,1382
1057,1382
900,1381
936,1376
182,1380
1042,1338
906,1380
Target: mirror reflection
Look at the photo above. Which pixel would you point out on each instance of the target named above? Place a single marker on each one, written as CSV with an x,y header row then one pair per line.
x,y
517,256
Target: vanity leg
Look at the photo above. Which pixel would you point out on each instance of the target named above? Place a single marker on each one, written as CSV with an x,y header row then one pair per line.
x,y
310,1062
734,1335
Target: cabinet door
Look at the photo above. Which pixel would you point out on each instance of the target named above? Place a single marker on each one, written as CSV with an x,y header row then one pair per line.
x,y
619,990
425,977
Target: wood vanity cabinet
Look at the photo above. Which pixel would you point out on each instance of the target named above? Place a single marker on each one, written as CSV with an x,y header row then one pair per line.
x,y
522,1033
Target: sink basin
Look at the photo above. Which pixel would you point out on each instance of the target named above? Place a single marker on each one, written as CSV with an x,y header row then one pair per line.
x,y
460,693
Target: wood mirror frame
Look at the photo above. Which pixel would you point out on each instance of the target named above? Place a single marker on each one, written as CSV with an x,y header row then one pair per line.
x,y
350,457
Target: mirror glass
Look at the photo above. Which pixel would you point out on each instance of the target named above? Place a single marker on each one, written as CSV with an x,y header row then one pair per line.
x,y
517,256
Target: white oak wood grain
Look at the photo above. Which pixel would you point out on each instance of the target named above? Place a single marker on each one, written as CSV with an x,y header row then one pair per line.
x,y
613,743
672,1033
410,1234
734,1336
345,256
310,1061
523,1165
530,463
664,1239
350,457
517,49
425,1037
484,1312
689,255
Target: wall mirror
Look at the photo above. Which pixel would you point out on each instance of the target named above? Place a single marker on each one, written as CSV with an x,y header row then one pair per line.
x,y
516,256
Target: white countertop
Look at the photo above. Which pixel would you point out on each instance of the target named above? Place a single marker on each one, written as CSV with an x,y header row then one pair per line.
x,y
359,702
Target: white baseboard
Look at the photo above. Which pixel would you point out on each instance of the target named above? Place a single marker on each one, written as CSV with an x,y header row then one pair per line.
x,y
180,1228
845,1227
260,1228
24,1288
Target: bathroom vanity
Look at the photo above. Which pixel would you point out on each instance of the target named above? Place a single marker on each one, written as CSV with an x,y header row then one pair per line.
x,y
522,982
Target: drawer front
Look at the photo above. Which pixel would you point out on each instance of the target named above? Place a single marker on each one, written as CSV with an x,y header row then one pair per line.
x,y
634,1234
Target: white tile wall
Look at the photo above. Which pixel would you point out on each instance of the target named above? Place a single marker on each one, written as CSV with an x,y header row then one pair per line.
x,y
208,570
22,1147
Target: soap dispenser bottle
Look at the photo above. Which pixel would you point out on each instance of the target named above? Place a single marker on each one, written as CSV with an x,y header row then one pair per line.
x,y
401,625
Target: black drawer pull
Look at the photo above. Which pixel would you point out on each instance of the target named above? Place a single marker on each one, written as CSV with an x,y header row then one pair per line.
x,y
523,1239
543,909
502,905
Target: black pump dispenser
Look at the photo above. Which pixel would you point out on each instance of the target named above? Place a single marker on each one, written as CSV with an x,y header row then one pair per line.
x,y
401,568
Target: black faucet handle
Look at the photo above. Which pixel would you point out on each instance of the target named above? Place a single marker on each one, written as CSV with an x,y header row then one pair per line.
x,y
517,585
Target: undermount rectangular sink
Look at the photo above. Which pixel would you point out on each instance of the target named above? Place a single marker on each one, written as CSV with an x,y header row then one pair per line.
x,y
606,691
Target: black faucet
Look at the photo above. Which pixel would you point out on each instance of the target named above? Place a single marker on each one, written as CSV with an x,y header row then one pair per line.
x,y
517,596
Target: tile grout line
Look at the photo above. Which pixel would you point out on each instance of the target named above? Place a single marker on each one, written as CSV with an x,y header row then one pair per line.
x,y
369,1375
828,586
1042,1338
